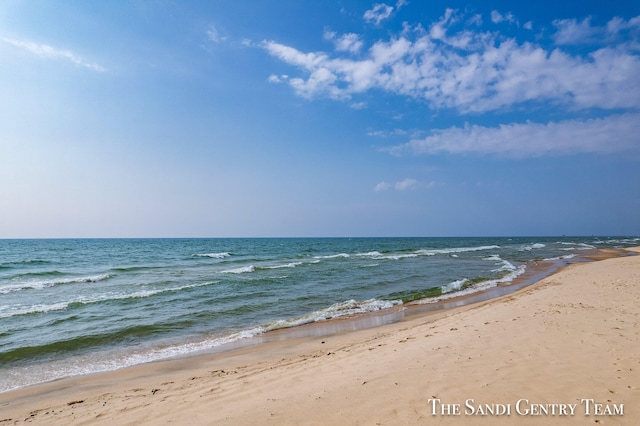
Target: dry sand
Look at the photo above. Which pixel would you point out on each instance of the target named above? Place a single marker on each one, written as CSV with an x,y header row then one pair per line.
x,y
573,336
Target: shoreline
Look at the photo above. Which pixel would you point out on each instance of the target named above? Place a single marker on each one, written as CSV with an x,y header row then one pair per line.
x,y
249,362
533,272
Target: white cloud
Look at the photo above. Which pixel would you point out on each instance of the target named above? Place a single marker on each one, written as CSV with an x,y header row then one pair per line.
x,y
46,51
406,184
382,186
403,185
328,34
293,56
475,20
378,13
349,43
320,80
471,71
346,43
391,133
497,17
519,140
358,105
213,34
571,32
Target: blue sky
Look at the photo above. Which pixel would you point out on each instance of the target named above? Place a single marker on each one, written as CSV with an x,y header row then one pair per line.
x,y
344,118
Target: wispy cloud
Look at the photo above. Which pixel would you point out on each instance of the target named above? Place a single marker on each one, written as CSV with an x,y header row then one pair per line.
x,y
382,186
405,184
378,13
381,11
471,70
518,140
346,43
46,51
402,185
213,34
571,31
497,17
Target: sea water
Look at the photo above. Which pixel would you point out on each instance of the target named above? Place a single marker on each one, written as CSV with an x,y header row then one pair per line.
x,y
78,306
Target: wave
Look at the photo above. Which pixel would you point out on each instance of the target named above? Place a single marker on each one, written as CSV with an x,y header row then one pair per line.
x,y
86,364
74,344
7,311
576,246
287,265
466,286
505,264
376,255
568,256
346,308
333,256
619,241
42,284
242,270
253,268
434,252
341,309
424,252
221,255
532,247
135,268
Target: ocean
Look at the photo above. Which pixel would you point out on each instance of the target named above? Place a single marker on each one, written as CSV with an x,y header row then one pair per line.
x,y
78,306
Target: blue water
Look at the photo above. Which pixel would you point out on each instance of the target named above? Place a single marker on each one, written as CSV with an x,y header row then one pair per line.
x,y
70,307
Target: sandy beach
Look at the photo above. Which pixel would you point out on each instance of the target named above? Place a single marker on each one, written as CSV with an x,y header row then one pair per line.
x,y
565,350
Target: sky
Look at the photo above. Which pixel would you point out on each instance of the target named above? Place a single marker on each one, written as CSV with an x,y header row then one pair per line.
x,y
284,118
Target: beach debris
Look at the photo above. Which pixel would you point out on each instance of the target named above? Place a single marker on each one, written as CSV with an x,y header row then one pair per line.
x,y
80,401
153,391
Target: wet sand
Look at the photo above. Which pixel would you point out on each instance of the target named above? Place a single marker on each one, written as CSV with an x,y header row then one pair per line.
x,y
555,352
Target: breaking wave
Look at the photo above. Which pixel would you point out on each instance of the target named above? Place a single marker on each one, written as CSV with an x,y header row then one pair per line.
x,y
214,255
42,284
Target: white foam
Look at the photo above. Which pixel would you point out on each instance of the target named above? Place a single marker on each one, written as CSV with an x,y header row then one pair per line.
x,y
188,348
12,311
349,307
288,265
242,270
346,308
333,256
532,247
376,255
453,286
577,246
214,255
89,279
568,256
434,252
450,290
42,284
25,286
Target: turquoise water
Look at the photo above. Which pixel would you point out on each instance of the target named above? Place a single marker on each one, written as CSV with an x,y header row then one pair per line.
x,y
70,307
